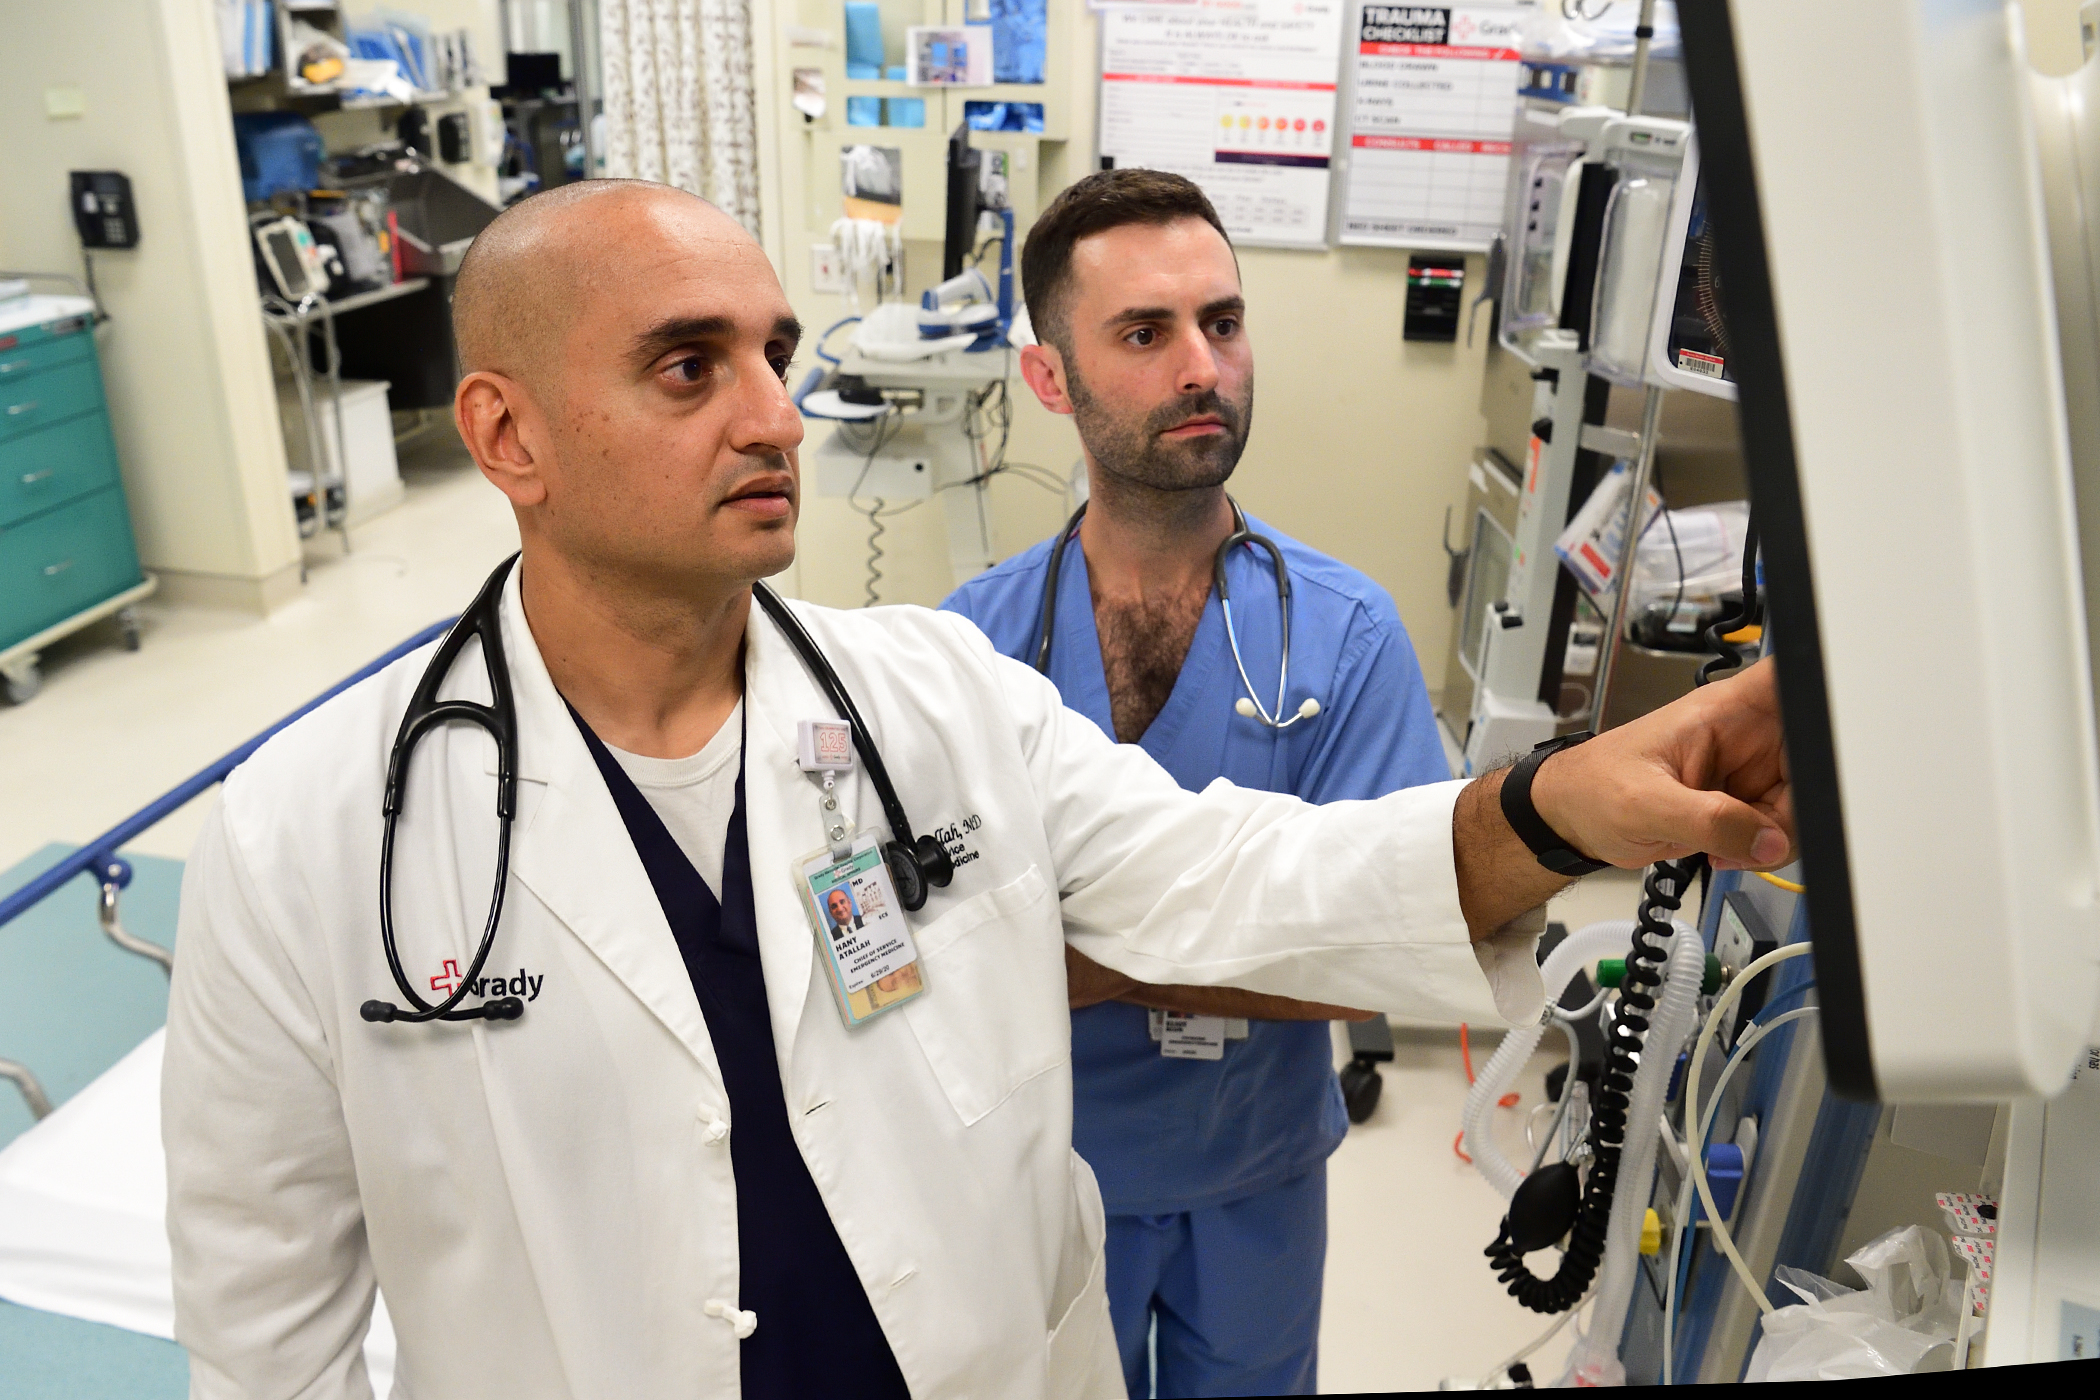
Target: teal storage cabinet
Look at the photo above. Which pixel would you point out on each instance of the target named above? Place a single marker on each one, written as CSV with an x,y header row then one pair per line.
x,y
67,557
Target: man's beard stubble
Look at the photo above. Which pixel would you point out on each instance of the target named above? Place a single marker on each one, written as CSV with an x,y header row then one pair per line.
x,y
1135,452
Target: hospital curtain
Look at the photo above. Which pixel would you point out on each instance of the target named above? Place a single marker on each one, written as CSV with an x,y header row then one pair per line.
x,y
679,105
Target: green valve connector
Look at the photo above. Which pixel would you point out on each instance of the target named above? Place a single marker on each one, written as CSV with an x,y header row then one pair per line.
x,y
1612,971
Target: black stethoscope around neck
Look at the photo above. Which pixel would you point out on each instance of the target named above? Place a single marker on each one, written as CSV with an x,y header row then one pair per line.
x,y
916,863
1248,705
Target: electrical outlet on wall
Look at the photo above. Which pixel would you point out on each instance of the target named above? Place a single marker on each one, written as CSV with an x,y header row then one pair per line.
x,y
826,273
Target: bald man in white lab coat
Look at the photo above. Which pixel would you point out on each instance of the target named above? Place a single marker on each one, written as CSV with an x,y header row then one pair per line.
x,y
680,1172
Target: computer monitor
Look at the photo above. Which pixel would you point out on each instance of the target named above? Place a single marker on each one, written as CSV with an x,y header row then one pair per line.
x,y
1878,208
965,202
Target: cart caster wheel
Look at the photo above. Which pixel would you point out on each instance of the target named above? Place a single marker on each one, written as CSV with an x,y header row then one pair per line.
x,y
129,621
23,681
1360,1089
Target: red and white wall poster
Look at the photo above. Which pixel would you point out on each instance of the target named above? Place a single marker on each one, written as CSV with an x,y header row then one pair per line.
x,y
1238,95
1432,106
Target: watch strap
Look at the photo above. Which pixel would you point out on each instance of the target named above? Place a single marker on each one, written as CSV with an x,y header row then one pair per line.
x,y
1553,851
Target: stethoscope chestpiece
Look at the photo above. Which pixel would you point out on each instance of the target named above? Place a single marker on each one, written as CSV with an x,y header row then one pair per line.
x,y
925,862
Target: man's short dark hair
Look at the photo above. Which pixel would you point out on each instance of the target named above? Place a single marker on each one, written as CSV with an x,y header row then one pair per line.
x,y
1102,201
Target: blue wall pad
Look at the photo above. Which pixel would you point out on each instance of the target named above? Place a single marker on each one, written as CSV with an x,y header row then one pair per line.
x,y
71,1002
1018,39
864,111
905,111
278,151
1004,116
44,1356
863,36
898,74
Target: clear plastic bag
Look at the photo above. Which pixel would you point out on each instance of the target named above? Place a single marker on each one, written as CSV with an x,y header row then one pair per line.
x,y
1902,1323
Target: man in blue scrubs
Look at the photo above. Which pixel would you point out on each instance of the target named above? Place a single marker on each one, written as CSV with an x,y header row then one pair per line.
x,y
1209,1130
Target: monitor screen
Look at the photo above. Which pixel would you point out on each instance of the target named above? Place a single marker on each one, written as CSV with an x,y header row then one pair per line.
x,y
965,202
1877,210
286,263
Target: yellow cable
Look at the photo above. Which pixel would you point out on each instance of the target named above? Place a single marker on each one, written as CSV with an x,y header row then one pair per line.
x,y
1694,1157
1788,885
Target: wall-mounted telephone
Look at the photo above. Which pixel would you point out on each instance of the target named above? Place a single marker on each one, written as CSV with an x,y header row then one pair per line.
x,y
103,211
455,139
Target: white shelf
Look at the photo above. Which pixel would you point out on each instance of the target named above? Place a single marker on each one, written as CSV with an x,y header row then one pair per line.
x,y
359,104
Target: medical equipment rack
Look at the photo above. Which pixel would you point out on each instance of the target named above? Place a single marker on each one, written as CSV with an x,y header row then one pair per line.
x,y
292,324
112,873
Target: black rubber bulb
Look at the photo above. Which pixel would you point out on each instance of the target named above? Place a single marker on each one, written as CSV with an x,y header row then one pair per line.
x,y
1543,1208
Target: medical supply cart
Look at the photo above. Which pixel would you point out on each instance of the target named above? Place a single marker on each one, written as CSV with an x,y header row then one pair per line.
x,y
67,557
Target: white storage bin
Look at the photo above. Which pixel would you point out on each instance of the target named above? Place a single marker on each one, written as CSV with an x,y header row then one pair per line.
x,y
368,435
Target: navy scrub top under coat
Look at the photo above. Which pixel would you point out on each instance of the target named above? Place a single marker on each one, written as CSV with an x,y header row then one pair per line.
x,y
817,1333
1162,1135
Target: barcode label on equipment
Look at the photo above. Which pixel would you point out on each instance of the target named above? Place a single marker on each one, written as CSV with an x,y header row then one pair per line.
x,y
1692,362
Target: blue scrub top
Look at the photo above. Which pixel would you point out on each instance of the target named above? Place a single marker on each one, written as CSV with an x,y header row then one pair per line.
x,y
1163,1135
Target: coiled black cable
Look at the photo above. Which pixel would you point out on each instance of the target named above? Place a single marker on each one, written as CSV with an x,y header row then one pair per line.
x,y
1662,893
1725,655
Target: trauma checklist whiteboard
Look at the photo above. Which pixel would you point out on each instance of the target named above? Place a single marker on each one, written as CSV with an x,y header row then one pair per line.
x,y
1433,101
1238,95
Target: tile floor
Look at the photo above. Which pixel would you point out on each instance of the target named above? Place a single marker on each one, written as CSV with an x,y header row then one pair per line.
x,y
1410,1300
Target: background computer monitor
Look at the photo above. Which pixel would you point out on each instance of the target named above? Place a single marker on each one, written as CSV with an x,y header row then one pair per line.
x,y
965,202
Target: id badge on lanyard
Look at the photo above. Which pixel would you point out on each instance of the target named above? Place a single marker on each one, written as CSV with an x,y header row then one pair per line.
x,y
867,950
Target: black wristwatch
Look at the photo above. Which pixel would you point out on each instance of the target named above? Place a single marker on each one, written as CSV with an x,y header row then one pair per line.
x,y
1547,844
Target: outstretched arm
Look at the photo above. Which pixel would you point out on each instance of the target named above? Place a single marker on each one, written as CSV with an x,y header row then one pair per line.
x,y
1704,773
1375,903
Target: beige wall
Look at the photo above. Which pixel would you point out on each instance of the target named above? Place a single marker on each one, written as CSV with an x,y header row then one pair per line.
x,y
1360,440
186,368
2052,35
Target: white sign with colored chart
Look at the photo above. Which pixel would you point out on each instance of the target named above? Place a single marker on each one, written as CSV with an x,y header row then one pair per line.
x,y
1239,97
1432,106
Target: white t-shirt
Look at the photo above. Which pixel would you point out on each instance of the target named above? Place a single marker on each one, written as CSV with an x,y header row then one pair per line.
x,y
694,795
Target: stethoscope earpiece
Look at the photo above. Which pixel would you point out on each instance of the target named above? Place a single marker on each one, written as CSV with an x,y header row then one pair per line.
x,y
925,862
501,1009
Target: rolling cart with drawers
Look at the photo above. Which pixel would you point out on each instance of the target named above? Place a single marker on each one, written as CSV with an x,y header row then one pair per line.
x,y
67,557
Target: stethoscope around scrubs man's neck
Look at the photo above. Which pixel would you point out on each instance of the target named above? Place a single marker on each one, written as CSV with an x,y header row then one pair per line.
x,y
1249,705
915,862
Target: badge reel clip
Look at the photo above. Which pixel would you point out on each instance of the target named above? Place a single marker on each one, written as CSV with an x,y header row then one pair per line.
x,y
826,746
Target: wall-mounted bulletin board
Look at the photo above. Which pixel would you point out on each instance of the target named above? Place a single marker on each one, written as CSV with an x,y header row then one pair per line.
x,y
1238,95
1432,102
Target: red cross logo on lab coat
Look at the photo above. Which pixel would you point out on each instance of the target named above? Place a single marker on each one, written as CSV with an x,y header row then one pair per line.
x,y
449,980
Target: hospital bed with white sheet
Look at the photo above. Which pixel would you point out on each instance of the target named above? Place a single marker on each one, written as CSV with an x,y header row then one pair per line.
x,y
86,1300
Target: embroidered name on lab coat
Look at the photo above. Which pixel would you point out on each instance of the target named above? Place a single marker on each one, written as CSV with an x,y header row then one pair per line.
x,y
954,835
523,985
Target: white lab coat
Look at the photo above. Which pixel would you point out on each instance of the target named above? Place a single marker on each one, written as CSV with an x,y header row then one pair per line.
x,y
548,1203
